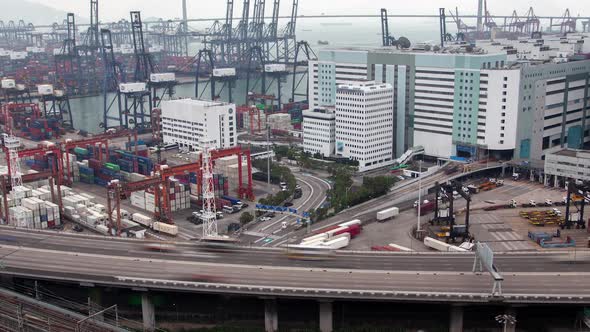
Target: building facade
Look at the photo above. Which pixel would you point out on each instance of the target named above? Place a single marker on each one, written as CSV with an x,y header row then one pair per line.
x,y
468,103
565,165
189,122
364,113
319,131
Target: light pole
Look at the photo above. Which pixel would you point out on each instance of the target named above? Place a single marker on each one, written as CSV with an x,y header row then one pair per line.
x,y
419,195
505,319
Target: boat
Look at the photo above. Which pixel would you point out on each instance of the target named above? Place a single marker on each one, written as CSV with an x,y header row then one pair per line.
x,y
323,42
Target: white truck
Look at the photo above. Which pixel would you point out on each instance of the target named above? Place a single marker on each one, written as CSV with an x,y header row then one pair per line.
x,y
165,228
387,214
441,246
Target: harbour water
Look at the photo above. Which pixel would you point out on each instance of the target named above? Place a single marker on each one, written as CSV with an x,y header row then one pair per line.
x,y
87,112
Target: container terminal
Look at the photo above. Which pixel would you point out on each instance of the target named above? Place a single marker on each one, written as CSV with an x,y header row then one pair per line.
x,y
476,145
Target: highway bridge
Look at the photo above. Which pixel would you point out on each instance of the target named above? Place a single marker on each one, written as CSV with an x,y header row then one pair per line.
x,y
93,261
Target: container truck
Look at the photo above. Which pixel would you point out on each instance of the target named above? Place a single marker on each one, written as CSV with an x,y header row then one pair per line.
x,y
387,214
321,236
339,242
441,246
232,200
426,208
165,228
352,222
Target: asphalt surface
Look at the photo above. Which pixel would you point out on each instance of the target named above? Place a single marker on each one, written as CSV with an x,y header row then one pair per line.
x,y
192,252
84,258
270,232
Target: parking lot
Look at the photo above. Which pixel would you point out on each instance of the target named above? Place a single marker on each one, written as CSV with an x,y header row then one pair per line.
x,y
503,229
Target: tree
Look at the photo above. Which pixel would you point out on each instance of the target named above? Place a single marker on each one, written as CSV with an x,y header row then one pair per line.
x,y
246,217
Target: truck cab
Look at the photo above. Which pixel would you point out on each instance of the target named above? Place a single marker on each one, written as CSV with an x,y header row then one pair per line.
x,y
227,210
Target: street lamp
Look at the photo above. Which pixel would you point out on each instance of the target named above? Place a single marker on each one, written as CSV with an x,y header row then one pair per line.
x,y
419,196
505,319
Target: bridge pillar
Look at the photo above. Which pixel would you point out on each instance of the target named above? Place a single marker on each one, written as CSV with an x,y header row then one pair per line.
x,y
326,319
271,316
456,319
148,312
95,302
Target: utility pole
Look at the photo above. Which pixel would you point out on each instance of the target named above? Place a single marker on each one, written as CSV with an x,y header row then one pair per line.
x,y
419,196
268,154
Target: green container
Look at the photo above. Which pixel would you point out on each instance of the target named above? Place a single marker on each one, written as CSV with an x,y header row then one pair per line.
x,y
112,167
260,106
80,151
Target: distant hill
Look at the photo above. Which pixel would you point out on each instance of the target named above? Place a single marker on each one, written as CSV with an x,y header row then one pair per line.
x,y
30,12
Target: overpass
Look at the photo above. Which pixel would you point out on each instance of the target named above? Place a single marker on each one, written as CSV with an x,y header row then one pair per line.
x,y
93,261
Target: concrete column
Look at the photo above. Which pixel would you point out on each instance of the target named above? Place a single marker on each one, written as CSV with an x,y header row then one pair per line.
x,y
545,180
95,302
456,320
555,181
148,312
326,316
271,316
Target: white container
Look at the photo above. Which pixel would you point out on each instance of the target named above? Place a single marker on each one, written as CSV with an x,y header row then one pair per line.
x,y
162,77
440,246
8,83
165,228
387,214
142,220
339,242
275,68
4,53
224,72
132,87
45,89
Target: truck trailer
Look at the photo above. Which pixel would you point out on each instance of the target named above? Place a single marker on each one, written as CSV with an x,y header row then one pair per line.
x,y
387,214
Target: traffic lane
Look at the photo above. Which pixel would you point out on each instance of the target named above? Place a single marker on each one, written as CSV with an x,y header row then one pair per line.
x,y
452,282
316,198
392,262
561,261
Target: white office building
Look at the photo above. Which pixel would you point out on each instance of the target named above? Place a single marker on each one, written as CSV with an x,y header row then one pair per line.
x,y
364,124
319,131
188,122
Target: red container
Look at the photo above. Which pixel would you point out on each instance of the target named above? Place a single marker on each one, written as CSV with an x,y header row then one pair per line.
x,y
51,223
323,230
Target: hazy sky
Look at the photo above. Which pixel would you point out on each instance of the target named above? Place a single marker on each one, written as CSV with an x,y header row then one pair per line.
x,y
115,9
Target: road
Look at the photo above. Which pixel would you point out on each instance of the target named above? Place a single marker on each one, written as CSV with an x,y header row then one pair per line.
x,y
85,258
314,195
402,196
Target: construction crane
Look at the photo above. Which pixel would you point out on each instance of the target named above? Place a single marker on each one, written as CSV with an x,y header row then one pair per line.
x,y
566,23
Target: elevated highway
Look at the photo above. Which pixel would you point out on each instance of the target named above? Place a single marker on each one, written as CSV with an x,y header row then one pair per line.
x,y
93,261
530,277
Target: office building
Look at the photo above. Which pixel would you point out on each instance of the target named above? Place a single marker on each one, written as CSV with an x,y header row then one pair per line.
x,y
468,102
364,124
189,122
319,131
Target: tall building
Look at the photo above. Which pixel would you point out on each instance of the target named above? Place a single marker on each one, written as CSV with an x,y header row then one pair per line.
x,y
319,131
468,102
189,122
364,124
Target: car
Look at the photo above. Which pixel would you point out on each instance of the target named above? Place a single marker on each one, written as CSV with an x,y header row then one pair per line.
x,y
78,228
284,225
288,204
263,219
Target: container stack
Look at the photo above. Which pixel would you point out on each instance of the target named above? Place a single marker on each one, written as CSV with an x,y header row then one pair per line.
x,y
220,184
229,167
126,159
179,195
86,174
43,129
74,171
138,199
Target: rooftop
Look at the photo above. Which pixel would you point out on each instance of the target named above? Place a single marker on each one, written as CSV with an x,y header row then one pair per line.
x,y
573,153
